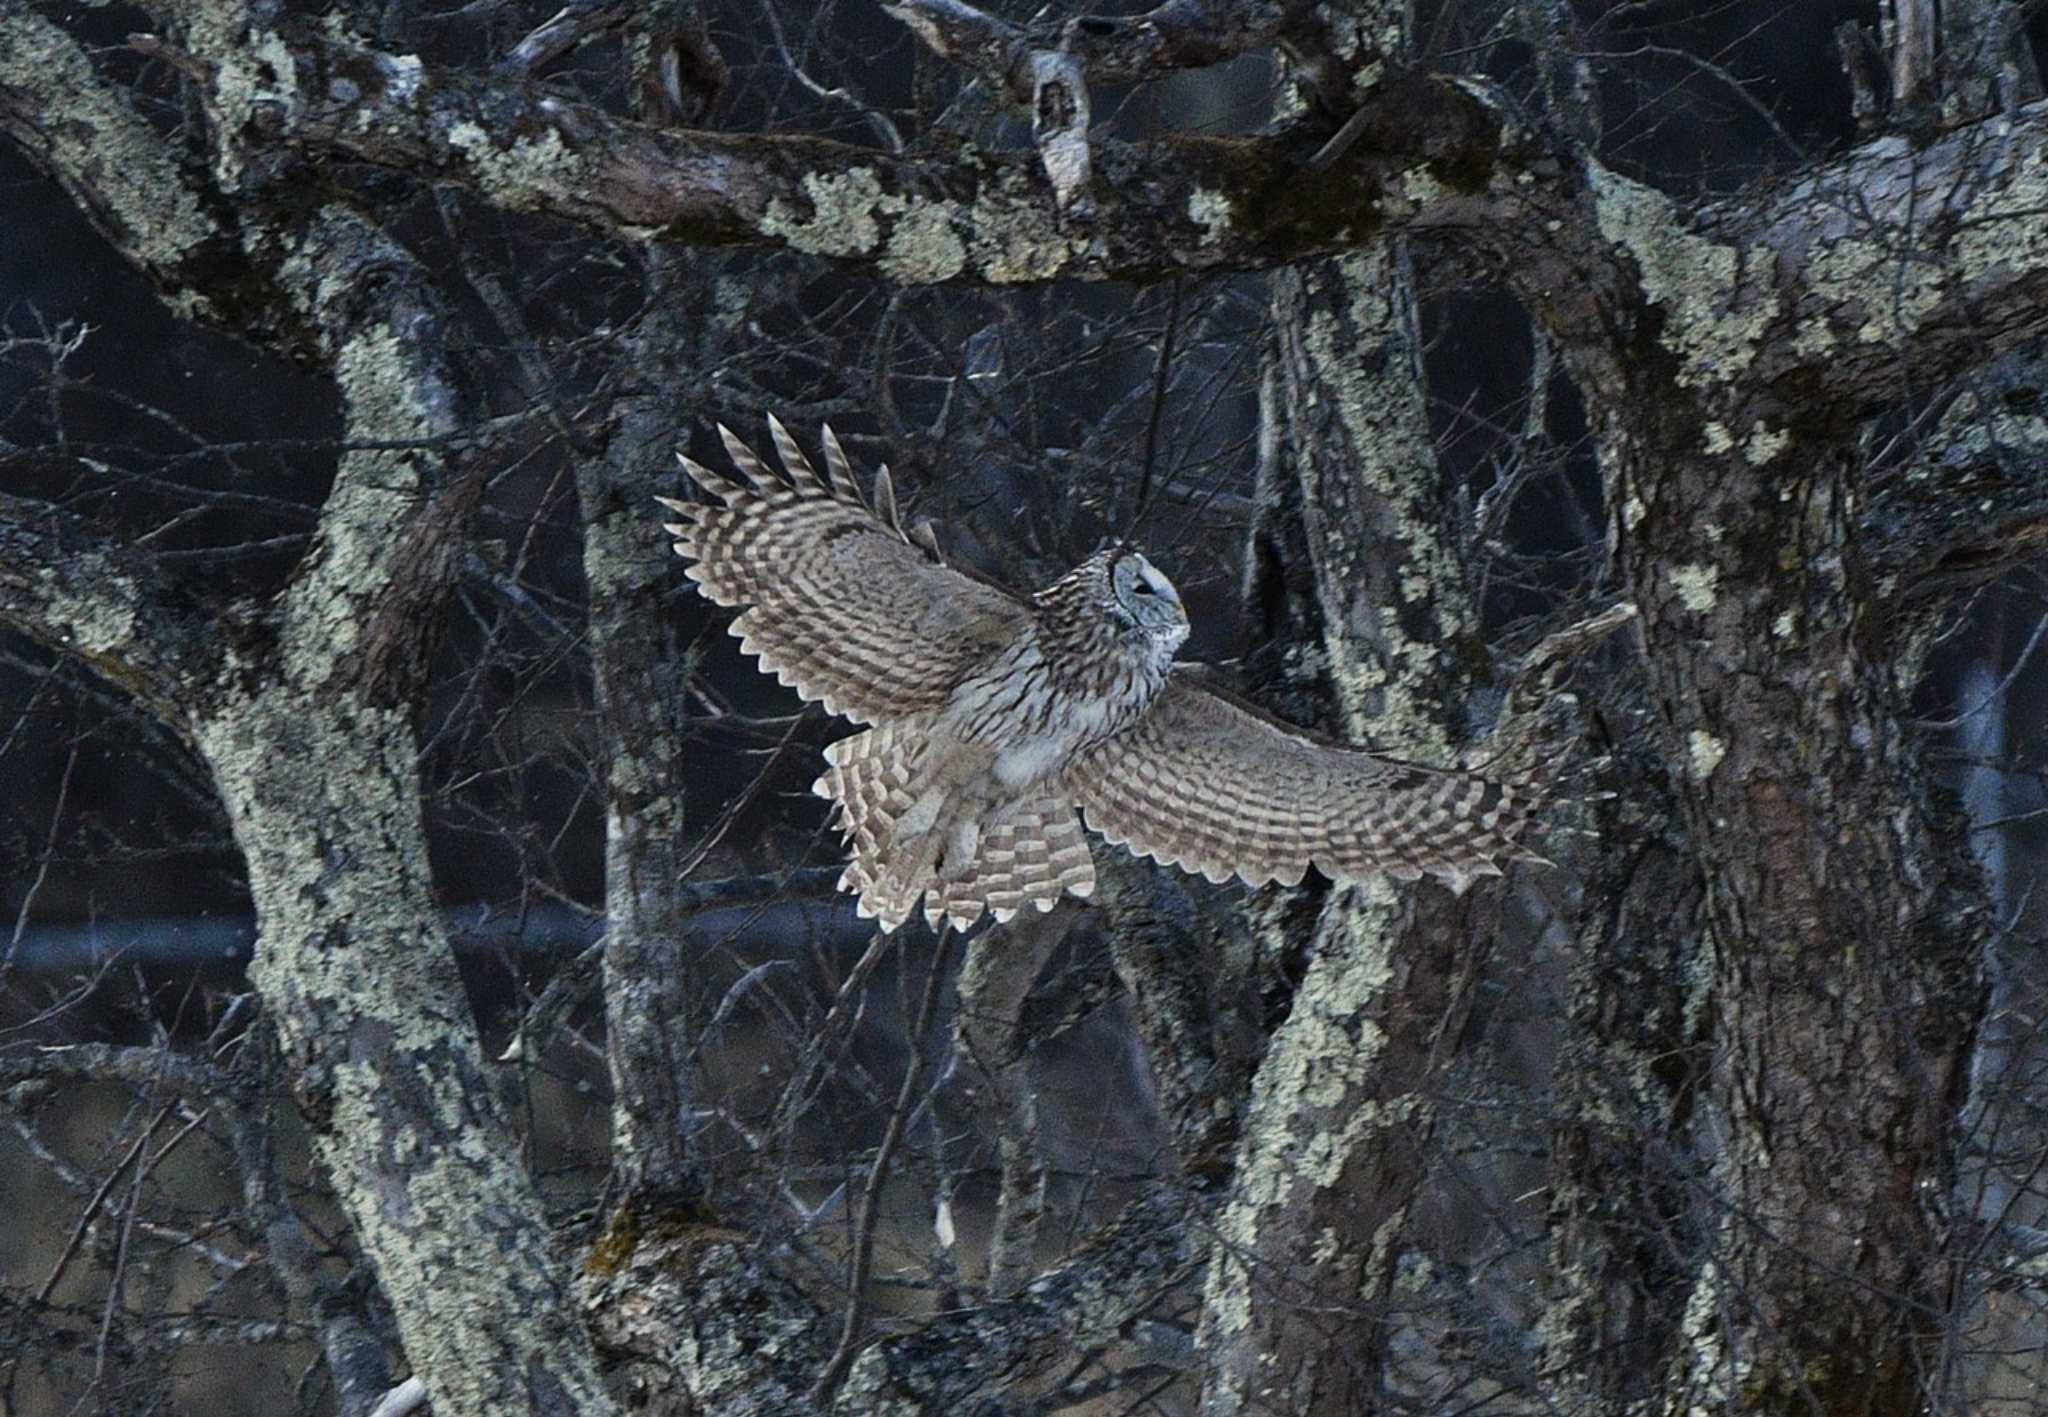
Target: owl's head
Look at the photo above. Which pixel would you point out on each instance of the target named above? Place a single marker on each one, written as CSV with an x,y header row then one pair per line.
x,y
1142,596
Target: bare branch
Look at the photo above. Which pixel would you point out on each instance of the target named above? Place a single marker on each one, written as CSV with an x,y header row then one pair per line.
x,y
65,586
1182,34
1909,35
1001,966
854,1324
1583,246
1097,1298
680,75
1986,61
1860,61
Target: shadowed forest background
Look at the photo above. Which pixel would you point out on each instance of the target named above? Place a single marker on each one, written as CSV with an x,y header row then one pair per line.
x,y
421,978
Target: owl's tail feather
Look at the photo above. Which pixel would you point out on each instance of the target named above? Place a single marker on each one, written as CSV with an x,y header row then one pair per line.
x,y
1032,854
872,778
904,847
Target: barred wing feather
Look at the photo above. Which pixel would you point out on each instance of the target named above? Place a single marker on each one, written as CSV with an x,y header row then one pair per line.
x,y
844,605
1213,785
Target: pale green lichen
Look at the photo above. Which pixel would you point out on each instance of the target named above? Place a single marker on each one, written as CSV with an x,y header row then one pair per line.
x,y
1311,1113
1326,1248
1210,211
1973,428
514,173
381,384
1813,338
272,762
372,494
1420,187
1320,1060
1893,287
1894,296
923,248
1012,237
842,219
1764,443
99,622
1716,438
1704,752
1016,237
1697,585
1714,318
1377,667
1714,1374
315,284
252,69
118,155
2011,234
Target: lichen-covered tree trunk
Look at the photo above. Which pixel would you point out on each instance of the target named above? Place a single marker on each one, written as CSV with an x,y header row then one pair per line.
x,y
1338,1121
311,740
1841,929
356,974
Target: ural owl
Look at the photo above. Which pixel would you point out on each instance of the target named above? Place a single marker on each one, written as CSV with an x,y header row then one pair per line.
x,y
991,718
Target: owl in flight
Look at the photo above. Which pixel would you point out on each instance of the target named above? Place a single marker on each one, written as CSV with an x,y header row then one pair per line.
x,y
990,718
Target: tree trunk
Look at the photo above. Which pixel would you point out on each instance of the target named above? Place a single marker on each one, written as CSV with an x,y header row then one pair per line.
x,y
1843,931
356,974
652,989
1336,1132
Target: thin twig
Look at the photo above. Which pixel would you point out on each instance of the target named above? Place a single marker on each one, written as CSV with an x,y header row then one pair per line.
x,y
878,1175
28,898
93,1208
1161,372
829,1037
117,1283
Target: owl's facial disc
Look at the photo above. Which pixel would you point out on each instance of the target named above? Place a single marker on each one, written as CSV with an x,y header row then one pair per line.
x,y
1149,598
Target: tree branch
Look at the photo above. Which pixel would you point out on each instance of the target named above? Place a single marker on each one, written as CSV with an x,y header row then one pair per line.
x,y
1099,1297
65,586
1891,249
1182,34
116,169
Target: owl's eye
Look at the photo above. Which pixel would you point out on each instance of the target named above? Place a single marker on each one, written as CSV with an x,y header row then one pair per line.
x,y
1143,589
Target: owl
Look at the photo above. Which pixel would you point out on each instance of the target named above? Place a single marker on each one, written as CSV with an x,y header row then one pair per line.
x,y
996,724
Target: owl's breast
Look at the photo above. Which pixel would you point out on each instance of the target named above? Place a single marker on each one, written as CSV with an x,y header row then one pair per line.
x,y
1038,715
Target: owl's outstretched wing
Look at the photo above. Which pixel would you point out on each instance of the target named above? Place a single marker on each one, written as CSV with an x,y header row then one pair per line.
x,y
844,606
1213,785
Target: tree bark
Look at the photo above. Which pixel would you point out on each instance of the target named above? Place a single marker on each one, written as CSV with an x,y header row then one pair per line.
x,y
317,763
303,714
1772,1009
358,978
1843,931
652,987
1336,1131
